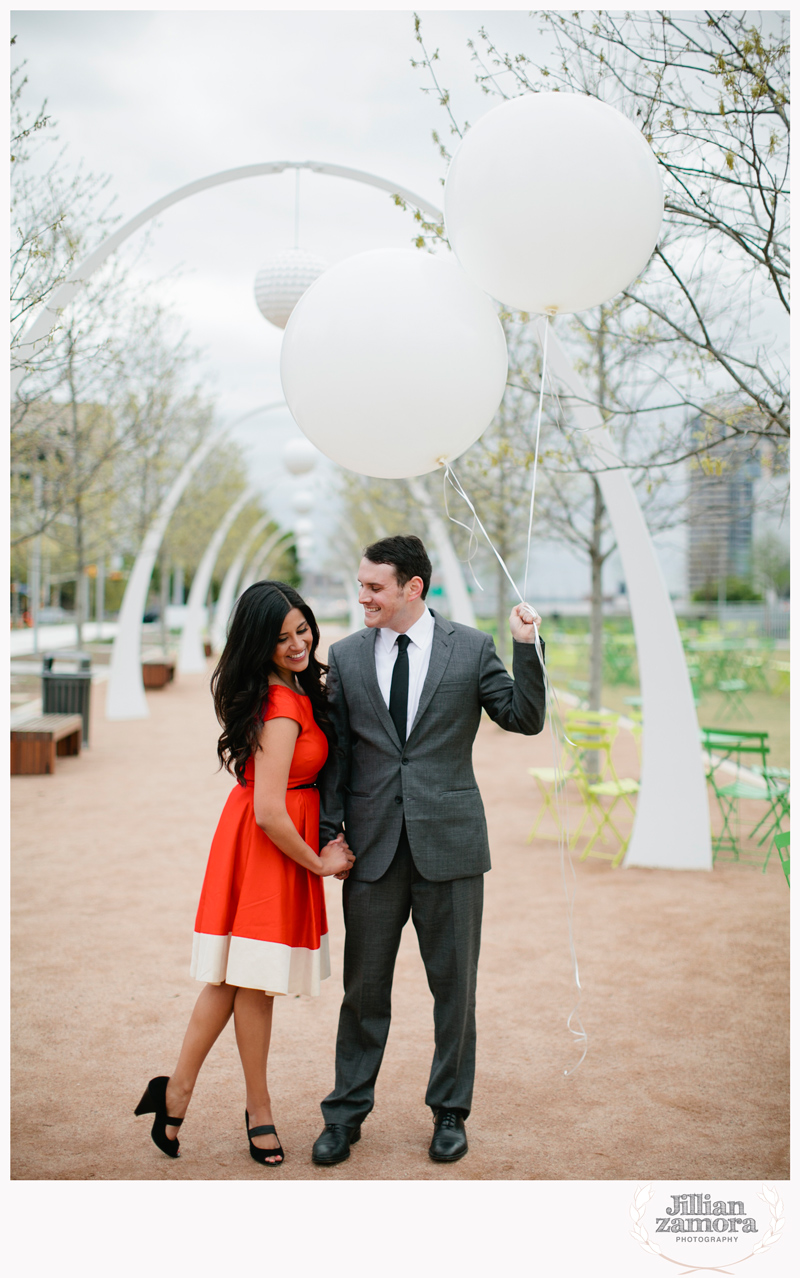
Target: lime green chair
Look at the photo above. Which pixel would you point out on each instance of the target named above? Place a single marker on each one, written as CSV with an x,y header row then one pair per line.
x,y
592,735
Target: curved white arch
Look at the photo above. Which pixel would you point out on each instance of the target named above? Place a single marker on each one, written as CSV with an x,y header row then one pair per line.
x,y
125,696
227,594
41,326
191,658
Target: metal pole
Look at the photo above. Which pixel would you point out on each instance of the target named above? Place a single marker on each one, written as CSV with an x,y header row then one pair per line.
x,y
100,595
35,571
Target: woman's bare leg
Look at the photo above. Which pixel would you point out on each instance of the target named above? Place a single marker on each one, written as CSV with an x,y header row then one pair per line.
x,y
211,1014
252,1018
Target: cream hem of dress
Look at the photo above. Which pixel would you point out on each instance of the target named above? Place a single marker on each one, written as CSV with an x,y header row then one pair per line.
x,y
259,965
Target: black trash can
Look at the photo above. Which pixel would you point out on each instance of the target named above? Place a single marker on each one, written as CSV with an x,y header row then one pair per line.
x,y
68,691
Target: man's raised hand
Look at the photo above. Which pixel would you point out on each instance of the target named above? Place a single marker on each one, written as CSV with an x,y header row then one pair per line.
x,y
524,622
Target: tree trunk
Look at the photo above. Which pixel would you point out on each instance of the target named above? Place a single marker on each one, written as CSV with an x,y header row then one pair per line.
x,y
163,602
596,608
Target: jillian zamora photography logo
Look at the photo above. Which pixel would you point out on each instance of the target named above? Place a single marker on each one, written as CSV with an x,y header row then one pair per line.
x,y
706,1227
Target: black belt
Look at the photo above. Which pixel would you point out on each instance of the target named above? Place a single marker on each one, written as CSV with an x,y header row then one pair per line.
x,y
312,785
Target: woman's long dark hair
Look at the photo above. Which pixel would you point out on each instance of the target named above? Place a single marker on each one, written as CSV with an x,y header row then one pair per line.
x,y
240,682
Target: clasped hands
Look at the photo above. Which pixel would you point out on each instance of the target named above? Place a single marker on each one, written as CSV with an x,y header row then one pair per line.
x,y
336,858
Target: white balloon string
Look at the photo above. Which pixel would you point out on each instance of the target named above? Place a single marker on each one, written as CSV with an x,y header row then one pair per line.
x,y
456,484
471,549
536,454
560,778
558,739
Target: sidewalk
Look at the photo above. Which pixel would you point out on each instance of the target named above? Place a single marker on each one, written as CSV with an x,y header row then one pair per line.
x,y
685,980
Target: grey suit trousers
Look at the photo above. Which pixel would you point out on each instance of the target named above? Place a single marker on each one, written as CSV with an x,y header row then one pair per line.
x,y
447,917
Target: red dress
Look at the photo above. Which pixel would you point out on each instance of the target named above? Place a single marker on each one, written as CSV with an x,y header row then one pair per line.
x,y
261,920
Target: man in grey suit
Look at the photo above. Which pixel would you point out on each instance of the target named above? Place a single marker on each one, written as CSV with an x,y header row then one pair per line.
x,y
406,696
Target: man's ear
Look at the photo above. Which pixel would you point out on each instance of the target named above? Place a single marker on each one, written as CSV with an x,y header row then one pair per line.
x,y
415,586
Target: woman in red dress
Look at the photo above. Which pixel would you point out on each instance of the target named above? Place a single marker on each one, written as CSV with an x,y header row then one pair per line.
x,y
261,928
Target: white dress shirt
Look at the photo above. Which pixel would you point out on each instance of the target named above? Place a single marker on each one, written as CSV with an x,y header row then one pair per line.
x,y
419,658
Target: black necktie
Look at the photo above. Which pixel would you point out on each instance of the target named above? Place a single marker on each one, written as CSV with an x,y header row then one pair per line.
x,y
398,696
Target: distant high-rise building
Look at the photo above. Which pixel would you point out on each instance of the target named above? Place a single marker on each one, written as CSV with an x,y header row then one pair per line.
x,y
720,523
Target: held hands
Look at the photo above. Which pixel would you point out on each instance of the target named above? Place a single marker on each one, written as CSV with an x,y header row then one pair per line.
x,y
524,622
336,858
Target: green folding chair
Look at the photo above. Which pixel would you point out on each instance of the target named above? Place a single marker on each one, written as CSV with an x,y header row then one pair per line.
x,y
733,703
744,749
781,842
753,670
777,783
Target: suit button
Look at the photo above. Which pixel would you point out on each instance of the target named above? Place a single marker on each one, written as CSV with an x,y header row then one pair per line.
x,y
404,762
398,798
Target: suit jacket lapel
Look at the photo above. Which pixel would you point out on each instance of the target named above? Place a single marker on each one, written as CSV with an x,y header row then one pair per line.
x,y
441,648
370,677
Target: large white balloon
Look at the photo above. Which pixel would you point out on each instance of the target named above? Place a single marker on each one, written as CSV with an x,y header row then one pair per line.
x,y
553,202
299,456
393,362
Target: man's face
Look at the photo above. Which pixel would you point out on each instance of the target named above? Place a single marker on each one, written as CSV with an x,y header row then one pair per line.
x,y
386,603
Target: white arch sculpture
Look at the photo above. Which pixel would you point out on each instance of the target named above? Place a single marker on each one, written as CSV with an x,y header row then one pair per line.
x,y
261,561
671,830
228,593
125,697
191,657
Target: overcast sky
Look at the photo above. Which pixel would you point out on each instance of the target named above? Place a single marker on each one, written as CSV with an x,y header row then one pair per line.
x,y
159,99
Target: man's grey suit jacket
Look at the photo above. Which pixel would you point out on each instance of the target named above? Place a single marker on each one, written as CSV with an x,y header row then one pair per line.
x,y
370,783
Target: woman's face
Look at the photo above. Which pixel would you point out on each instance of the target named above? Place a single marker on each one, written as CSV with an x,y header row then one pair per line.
x,y
294,643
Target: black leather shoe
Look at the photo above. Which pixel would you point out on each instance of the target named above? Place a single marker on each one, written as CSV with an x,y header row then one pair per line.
x,y
333,1144
450,1138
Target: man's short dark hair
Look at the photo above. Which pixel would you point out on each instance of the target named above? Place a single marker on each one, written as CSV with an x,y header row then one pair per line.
x,y
406,554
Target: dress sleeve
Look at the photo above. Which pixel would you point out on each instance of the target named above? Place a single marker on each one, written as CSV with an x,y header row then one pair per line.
x,y
281,703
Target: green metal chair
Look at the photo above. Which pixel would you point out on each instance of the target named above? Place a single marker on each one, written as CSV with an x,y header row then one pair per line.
x,y
780,842
734,692
753,670
744,749
777,783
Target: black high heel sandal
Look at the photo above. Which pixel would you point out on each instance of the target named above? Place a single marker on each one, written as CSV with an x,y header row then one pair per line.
x,y
154,1101
261,1155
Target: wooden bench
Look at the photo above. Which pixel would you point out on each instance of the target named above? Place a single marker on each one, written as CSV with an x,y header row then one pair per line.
x,y
156,674
35,743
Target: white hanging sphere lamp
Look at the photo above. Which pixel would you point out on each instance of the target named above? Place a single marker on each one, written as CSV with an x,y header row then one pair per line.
x,y
281,283
303,501
300,456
